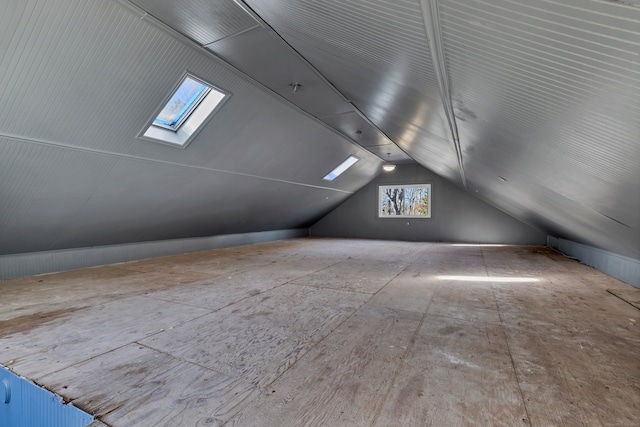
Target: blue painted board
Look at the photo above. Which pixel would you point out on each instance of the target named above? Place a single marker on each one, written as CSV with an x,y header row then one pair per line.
x,y
24,404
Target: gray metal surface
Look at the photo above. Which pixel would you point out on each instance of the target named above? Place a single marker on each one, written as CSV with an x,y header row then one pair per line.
x,y
547,98
204,21
29,264
376,53
80,79
255,49
263,56
544,99
544,95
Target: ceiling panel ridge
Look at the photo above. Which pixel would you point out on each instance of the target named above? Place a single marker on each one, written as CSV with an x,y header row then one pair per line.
x,y
266,25
157,161
431,20
531,34
317,72
561,22
246,30
193,44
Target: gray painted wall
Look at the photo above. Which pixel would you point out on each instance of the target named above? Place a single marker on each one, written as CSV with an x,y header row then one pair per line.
x,y
456,215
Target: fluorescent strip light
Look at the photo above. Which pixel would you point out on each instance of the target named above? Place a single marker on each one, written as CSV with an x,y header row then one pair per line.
x,y
351,160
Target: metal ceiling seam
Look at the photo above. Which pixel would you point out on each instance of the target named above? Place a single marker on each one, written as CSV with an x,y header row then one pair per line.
x,y
246,30
431,21
563,34
456,41
599,127
258,18
532,76
559,24
573,48
546,49
460,39
363,32
241,4
202,50
396,9
163,162
371,16
599,2
544,100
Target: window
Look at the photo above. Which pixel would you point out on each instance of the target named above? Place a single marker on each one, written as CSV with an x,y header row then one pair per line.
x,y
351,160
186,111
404,201
184,100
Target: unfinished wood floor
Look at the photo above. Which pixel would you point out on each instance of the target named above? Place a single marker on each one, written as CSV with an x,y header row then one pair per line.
x,y
334,333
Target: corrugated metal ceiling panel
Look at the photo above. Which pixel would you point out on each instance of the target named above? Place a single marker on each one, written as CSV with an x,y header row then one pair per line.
x,y
204,21
376,53
55,198
93,76
263,56
546,98
78,82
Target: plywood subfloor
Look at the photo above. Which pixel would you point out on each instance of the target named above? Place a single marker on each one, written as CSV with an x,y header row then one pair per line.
x,y
333,332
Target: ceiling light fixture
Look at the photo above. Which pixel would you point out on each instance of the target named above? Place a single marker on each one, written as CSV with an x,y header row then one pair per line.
x,y
388,167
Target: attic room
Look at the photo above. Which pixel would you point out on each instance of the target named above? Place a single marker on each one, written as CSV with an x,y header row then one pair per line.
x,y
319,213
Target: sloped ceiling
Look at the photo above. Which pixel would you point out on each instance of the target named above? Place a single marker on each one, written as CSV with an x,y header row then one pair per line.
x,y
80,79
544,98
532,107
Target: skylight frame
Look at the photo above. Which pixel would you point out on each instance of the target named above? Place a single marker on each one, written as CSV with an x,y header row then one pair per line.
x,y
192,120
341,168
188,109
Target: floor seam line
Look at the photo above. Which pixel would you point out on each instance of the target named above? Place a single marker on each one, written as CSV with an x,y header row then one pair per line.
x,y
506,340
310,348
407,352
183,360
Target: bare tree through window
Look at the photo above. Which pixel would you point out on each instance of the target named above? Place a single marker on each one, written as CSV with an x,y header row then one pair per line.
x,y
405,201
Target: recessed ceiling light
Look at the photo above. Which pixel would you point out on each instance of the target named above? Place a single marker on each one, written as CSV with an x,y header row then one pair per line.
x,y
388,167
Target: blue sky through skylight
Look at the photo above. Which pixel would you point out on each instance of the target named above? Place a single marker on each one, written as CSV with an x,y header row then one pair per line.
x,y
181,103
351,160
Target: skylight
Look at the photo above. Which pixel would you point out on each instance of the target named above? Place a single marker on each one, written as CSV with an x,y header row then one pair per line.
x,y
184,100
351,160
185,113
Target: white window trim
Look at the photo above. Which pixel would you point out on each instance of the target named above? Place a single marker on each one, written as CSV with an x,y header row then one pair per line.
x,y
386,186
193,124
344,166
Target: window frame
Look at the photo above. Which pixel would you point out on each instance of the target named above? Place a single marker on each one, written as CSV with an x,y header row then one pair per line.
x,y
191,122
344,166
382,187
187,110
